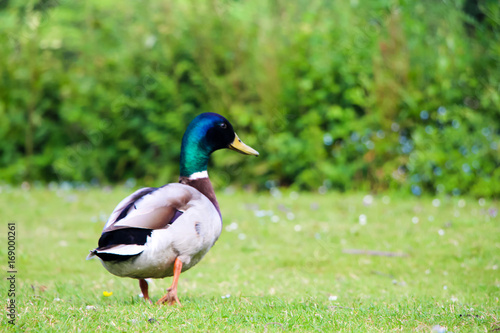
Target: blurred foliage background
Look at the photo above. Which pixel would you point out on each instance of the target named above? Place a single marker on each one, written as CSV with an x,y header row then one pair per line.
x,y
393,94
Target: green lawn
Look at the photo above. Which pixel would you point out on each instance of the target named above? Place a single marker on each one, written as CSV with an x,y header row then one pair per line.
x,y
284,262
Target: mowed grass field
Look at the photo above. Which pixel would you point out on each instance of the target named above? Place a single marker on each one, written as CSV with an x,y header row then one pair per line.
x,y
285,261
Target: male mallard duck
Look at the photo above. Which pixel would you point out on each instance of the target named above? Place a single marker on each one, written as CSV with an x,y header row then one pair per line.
x,y
159,232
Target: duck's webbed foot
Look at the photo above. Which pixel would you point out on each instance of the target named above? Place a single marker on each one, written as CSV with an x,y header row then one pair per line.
x,y
171,296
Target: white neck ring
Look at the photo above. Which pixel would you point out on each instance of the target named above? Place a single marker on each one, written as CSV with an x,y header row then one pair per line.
x,y
198,175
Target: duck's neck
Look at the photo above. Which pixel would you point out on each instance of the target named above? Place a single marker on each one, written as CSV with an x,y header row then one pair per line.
x,y
193,165
200,181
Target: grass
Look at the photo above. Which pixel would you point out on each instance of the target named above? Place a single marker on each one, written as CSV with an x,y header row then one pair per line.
x,y
279,265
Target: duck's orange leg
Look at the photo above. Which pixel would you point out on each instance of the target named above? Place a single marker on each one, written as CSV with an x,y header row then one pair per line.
x,y
171,295
144,289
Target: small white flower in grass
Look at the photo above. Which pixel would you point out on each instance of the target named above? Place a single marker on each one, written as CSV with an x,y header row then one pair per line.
x,y
461,203
430,218
275,192
226,296
297,228
294,195
260,213
368,200
445,287
90,307
71,198
275,218
362,219
233,226
454,299
439,329
427,271
482,202
332,298
57,299
494,267
415,219
386,199
290,216
441,232
242,236
436,202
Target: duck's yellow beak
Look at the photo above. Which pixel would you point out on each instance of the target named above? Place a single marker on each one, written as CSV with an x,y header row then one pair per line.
x,y
239,146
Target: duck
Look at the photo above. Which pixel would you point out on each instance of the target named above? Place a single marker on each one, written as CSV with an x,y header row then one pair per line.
x,y
157,232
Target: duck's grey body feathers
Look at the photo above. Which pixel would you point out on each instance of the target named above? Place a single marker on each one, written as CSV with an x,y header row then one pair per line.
x,y
152,227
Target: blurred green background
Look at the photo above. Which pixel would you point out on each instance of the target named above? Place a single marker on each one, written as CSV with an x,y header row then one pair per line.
x,y
346,95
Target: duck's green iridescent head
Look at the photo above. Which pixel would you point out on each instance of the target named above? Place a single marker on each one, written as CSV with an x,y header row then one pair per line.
x,y
207,133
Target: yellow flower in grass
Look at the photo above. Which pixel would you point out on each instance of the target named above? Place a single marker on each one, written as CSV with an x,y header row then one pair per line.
x,y
107,293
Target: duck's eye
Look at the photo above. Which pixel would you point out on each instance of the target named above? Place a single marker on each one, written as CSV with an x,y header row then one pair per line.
x,y
223,125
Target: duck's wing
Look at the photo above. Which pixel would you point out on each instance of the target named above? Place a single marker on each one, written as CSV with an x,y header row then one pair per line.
x,y
150,208
136,216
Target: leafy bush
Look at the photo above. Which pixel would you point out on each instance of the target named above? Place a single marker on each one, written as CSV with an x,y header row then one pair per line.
x,y
394,94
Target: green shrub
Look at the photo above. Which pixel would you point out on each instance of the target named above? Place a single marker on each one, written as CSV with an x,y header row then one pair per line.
x,y
394,94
